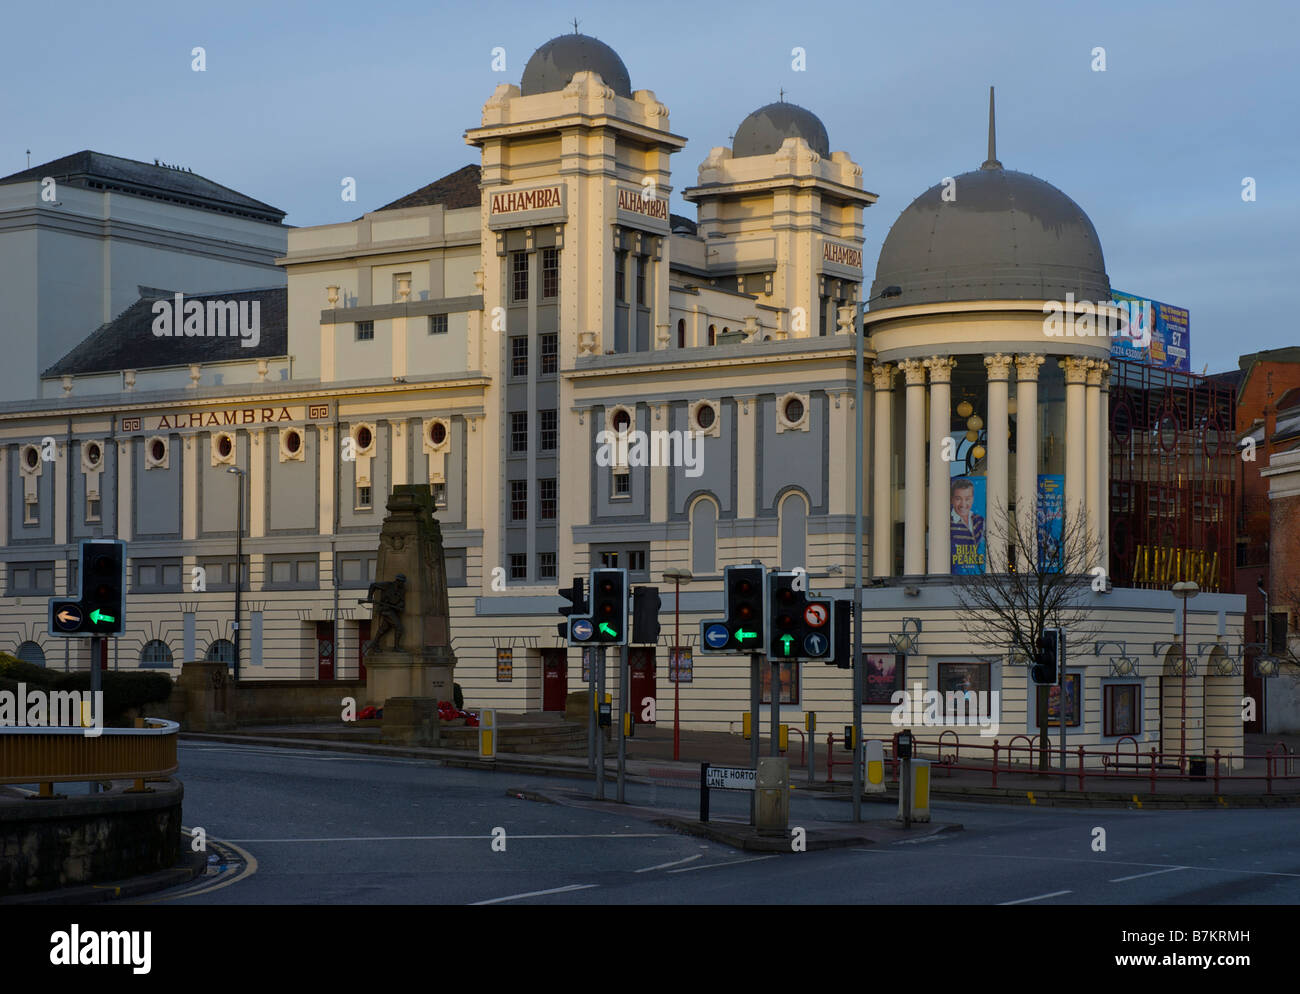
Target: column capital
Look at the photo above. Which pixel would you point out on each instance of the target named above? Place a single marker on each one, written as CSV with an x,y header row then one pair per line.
x,y
940,368
882,375
1027,366
1094,373
914,371
999,367
1076,369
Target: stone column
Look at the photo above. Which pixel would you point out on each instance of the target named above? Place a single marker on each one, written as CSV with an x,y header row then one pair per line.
x,y
256,496
940,557
399,331
746,464
999,372
1103,486
1092,458
1076,438
914,460
400,444
1027,454
327,330
125,490
882,510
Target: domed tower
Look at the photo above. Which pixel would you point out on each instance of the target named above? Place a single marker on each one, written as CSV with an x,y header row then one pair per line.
x,y
574,257
994,276
782,216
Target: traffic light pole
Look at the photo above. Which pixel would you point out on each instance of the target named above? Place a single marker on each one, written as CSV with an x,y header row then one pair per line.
x,y
600,732
1061,715
774,744
858,459
755,705
96,685
593,724
622,719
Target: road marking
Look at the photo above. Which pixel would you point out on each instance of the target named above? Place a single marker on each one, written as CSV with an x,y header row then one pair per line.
x,y
714,866
535,893
452,838
676,862
915,842
1123,862
1153,873
1040,897
250,867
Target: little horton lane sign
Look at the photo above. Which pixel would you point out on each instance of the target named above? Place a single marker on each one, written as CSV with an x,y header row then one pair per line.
x,y
225,417
845,255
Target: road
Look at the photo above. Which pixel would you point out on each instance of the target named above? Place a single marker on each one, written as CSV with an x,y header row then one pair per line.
x,y
305,827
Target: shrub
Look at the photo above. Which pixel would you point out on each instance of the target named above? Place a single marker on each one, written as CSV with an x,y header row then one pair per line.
x,y
122,691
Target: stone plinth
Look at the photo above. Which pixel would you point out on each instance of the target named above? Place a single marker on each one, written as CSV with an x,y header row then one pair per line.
x,y
411,721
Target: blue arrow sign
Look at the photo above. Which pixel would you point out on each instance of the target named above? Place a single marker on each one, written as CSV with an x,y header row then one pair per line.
x,y
580,629
815,643
716,636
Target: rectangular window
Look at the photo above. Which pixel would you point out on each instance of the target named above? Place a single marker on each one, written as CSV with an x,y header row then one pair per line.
x,y
518,500
439,495
636,561
519,356
622,485
363,497
1122,709
620,277
550,354
519,276
31,578
73,566
546,499
156,575
1277,631
550,273
292,572
550,430
609,560
437,324
365,331
642,262
31,516
219,574
355,570
546,565
518,431
519,566
789,677
92,509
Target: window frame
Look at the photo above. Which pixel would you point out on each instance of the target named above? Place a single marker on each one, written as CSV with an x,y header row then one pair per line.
x,y
518,277
550,273
548,362
519,356
553,432
438,324
518,500
518,431
365,331
552,502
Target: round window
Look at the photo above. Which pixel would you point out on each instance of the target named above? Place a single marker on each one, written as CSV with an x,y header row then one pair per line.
x,y
705,416
437,433
31,456
224,446
93,453
364,438
622,421
157,450
292,441
793,410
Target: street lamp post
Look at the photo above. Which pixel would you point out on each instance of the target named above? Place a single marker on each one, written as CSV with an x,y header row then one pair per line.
x,y
678,576
1184,591
239,558
858,363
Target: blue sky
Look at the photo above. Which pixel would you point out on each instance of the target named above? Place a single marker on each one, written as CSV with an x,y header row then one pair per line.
x,y
296,96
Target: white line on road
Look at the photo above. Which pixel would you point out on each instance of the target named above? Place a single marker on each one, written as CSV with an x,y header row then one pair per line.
x,y
714,866
1153,873
676,862
444,838
535,893
1040,897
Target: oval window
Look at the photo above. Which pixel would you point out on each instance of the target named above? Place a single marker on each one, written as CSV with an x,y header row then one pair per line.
x,y
224,446
31,456
705,416
622,421
292,441
93,453
793,410
437,433
364,437
157,450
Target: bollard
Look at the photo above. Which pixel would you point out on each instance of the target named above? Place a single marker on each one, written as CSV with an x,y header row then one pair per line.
x,y
1269,771
995,763
1081,769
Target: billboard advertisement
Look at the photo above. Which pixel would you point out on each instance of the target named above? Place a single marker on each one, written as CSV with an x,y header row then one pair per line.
x,y
1166,327
967,524
1051,522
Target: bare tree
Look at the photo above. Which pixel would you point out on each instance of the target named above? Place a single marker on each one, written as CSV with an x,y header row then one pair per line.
x,y
1048,582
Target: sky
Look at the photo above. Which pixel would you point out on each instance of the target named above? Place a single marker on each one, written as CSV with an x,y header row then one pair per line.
x,y
1194,99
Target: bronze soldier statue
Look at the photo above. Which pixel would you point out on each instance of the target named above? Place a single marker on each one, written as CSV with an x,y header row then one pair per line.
x,y
389,607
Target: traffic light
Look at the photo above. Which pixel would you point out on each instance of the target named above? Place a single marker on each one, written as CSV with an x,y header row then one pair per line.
x,y
742,628
843,635
100,609
645,615
799,626
1045,659
577,605
608,607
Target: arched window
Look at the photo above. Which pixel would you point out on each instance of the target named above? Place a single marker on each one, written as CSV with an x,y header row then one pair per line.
x,y
704,536
681,333
30,652
713,334
221,651
793,516
156,653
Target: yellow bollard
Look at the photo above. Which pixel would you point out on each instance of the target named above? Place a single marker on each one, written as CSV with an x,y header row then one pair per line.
x,y
748,725
487,739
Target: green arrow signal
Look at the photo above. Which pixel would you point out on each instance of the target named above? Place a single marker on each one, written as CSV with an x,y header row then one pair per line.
x,y
741,635
787,639
607,630
97,616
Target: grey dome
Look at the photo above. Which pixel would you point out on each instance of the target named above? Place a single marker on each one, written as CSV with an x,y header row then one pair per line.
x,y
552,66
764,130
1006,236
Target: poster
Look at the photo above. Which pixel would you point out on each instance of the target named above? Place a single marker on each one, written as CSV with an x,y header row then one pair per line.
x,y
1073,699
884,676
1163,327
505,665
682,671
962,677
1122,710
1051,522
789,682
967,524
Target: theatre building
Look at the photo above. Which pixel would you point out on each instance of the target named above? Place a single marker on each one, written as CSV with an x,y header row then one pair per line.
x,y
481,333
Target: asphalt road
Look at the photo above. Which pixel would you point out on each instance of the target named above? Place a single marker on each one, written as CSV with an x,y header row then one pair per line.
x,y
301,827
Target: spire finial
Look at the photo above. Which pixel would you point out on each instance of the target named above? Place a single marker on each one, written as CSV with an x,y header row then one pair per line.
x,y
782,93
992,161
575,25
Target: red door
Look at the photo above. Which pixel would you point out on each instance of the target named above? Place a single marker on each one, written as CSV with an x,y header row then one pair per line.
x,y
363,636
641,662
324,650
555,679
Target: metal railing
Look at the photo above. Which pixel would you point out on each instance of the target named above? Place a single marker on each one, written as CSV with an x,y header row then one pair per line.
x,y
67,754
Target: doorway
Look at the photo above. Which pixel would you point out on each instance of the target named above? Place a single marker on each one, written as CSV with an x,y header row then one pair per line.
x,y
641,682
555,679
324,650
